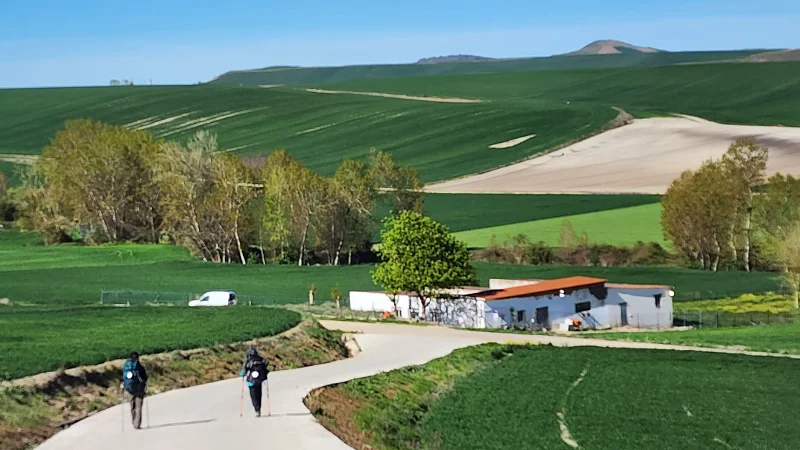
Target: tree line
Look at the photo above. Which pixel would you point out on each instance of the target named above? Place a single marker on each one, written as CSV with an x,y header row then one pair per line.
x,y
728,215
101,183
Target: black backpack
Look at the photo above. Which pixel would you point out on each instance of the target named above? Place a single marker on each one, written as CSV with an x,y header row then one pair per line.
x,y
258,370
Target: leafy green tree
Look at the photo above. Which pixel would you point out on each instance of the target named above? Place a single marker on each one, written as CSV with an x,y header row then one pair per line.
x,y
3,184
746,164
699,213
102,176
401,184
348,220
777,209
789,256
420,256
204,197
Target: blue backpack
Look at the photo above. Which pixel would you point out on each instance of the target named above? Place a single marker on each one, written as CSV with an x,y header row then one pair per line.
x,y
131,379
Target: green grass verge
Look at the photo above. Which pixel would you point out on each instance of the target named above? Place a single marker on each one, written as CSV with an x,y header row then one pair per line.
x,y
40,340
498,397
642,223
778,338
322,75
461,212
75,275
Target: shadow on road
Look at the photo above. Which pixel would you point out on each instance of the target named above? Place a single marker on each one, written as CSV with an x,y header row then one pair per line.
x,y
180,424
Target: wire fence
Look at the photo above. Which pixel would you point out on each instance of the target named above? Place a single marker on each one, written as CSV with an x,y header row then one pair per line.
x,y
719,319
160,298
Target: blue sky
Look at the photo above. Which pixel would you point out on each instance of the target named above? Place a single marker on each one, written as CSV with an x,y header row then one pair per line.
x,y
50,43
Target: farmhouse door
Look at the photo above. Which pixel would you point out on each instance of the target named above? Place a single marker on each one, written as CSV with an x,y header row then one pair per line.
x,y
542,317
623,312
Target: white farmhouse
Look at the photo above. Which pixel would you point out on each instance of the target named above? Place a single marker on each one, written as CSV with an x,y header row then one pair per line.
x,y
539,304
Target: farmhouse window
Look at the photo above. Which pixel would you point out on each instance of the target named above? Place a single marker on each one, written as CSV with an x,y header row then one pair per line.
x,y
658,300
521,315
584,306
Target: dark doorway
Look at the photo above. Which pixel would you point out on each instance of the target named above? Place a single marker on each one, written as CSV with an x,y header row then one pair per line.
x,y
623,313
543,317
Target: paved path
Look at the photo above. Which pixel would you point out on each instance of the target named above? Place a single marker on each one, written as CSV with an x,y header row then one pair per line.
x,y
207,417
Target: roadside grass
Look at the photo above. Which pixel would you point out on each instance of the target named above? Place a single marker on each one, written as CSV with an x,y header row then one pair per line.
x,y
775,338
687,400
478,212
642,224
35,340
31,274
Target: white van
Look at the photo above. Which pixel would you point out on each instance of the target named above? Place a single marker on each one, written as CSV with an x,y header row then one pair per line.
x,y
215,298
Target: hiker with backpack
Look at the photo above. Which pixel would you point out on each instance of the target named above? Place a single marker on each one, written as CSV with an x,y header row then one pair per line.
x,y
255,372
134,380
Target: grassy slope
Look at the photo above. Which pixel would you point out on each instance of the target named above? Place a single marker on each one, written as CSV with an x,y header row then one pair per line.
x,y
77,275
733,93
476,398
323,75
643,223
462,212
442,140
34,341
782,338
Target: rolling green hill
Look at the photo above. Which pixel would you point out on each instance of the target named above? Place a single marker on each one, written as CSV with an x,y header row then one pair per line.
x,y
443,140
743,93
324,75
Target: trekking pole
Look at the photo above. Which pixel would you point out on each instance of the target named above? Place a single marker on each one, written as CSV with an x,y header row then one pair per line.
x,y
269,404
122,406
241,400
147,404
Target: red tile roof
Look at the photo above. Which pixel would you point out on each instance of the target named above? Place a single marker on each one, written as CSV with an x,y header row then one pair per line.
x,y
546,287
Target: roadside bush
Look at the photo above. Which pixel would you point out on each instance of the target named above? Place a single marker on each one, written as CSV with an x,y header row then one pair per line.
x,y
769,302
521,251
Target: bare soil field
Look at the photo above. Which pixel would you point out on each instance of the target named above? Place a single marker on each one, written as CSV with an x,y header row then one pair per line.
x,y
399,96
643,157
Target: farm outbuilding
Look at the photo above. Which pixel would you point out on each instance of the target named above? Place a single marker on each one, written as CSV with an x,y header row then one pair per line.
x,y
537,304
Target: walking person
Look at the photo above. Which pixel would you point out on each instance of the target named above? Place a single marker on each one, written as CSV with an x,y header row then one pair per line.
x,y
134,380
255,371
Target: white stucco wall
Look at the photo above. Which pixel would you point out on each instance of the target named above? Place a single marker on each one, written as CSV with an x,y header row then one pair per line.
x,y
641,310
463,312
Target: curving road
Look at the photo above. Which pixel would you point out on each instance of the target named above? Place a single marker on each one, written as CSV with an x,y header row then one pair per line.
x,y
207,417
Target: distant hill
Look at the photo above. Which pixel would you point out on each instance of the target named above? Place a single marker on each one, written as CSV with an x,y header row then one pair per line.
x,y
611,47
325,75
775,56
453,59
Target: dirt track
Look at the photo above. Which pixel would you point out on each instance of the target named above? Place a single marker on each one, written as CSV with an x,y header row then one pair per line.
x,y
643,157
399,96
